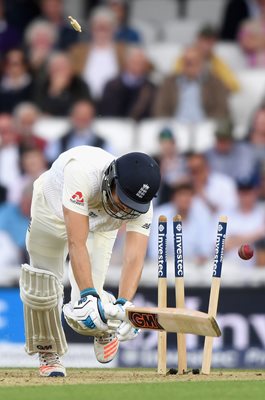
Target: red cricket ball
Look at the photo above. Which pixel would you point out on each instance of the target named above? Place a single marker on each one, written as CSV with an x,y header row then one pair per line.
x,y
246,252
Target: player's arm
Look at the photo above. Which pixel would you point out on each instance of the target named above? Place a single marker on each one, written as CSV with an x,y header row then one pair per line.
x,y
75,209
133,260
134,254
88,311
77,227
137,235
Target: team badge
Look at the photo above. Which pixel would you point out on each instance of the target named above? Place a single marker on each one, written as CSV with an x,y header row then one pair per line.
x,y
77,198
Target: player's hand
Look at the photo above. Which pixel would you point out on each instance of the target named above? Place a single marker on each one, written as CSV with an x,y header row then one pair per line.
x,y
88,311
116,311
126,332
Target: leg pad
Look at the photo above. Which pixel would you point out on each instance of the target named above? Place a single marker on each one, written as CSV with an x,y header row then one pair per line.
x,y
42,297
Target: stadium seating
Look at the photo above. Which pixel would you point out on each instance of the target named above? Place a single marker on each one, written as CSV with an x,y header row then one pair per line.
x,y
203,136
244,103
148,32
163,55
198,138
120,133
148,131
231,54
155,11
51,128
196,10
180,31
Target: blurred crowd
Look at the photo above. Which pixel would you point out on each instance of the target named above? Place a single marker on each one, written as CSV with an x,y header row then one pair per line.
x,y
49,70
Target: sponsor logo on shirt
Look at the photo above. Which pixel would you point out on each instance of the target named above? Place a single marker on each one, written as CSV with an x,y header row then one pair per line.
x,y
146,226
92,214
77,198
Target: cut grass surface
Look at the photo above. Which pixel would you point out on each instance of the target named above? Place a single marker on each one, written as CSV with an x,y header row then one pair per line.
x,y
210,390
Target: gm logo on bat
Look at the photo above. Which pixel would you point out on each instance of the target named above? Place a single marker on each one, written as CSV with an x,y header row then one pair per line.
x,y
144,320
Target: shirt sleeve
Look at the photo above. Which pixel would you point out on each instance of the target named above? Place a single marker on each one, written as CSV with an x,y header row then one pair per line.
x,y
141,224
75,188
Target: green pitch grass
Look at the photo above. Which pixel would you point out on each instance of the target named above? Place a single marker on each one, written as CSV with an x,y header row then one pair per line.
x,y
145,391
131,384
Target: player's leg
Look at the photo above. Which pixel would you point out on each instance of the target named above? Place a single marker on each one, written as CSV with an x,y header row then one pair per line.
x,y
41,288
100,247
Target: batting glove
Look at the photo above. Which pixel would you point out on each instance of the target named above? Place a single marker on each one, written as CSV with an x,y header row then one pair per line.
x,y
116,311
88,311
127,332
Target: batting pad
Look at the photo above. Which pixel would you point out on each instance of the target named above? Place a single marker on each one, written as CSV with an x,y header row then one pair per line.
x,y
42,295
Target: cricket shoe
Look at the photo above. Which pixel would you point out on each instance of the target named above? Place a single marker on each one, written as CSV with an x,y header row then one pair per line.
x,y
50,365
106,347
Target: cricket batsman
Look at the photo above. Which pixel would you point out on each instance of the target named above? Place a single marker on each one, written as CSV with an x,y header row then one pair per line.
x,y
77,208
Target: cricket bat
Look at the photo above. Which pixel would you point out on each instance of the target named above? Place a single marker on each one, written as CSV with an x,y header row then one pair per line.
x,y
176,320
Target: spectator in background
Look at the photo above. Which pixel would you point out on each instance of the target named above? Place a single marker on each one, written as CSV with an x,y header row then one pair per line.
x,y
236,159
262,183
172,164
236,11
15,83
52,11
131,93
257,141
206,40
216,190
193,212
21,12
9,155
99,60
123,32
246,222
25,116
90,5
32,164
193,95
14,220
3,194
257,134
61,88
81,132
10,37
252,42
40,40
10,255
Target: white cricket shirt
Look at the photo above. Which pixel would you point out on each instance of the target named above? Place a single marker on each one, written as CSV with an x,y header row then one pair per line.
x,y
74,181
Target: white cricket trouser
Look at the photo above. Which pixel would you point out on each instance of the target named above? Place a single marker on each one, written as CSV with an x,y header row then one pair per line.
x,y
47,244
